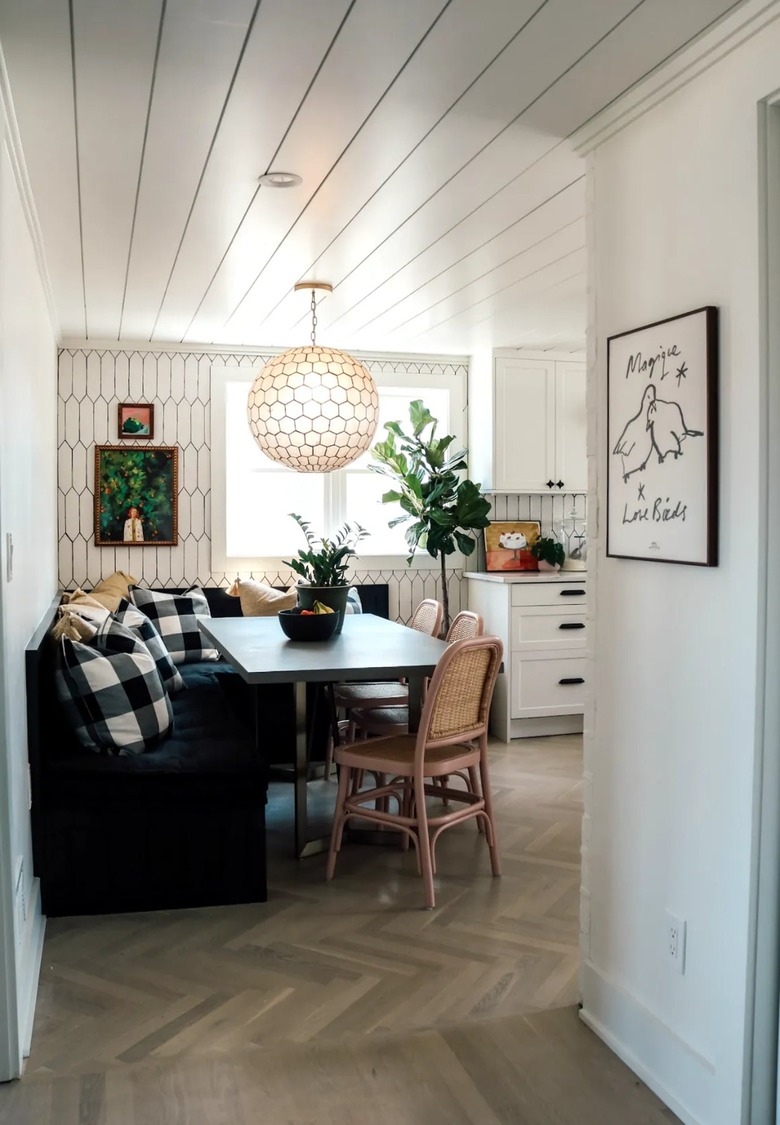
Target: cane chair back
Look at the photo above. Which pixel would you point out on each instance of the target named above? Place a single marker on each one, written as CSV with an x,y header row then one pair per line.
x,y
427,617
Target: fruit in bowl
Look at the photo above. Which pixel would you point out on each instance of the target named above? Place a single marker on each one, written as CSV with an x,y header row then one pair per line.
x,y
308,624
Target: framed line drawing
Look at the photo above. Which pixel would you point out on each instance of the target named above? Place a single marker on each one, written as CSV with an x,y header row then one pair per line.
x,y
508,543
135,420
136,496
662,441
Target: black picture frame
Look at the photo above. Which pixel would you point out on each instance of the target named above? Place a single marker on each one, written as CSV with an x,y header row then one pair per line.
x,y
662,440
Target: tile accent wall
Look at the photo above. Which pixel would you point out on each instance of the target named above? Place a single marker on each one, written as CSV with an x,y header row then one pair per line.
x,y
92,382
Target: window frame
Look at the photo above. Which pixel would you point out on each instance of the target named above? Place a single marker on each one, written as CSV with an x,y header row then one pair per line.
x,y
221,375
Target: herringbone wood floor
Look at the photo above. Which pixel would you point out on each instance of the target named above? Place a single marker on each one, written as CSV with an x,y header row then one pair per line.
x,y
296,1009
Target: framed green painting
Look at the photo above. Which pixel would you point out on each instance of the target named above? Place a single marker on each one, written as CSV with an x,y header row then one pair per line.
x,y
136,496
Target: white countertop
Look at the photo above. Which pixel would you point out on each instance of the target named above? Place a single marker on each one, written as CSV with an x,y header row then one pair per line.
x,y
528,576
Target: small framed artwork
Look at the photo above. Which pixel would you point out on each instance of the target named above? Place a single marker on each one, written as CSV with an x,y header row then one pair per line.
x,y
662,433
508,544
135,420
136,496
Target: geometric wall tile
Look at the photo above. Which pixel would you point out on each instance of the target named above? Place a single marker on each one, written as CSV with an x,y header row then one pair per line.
x,y
92,383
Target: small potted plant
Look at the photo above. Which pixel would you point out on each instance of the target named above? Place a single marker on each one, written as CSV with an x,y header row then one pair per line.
x,y
323,567
548,553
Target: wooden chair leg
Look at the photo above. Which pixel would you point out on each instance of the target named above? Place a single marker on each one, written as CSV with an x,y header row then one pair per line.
x,y
492,839
474,783
338,821
424,849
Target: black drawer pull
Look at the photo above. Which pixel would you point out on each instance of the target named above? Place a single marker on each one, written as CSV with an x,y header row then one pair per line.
x,y
572,593
572,625
572,680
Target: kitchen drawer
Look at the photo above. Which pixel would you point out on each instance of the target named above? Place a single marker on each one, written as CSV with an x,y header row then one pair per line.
x,y
537,687
563,594
547,627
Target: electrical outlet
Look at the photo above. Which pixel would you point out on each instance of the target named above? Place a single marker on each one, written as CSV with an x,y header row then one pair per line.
x,y
676,932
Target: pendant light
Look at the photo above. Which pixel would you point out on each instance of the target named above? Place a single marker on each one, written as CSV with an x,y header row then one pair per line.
x,y
311,408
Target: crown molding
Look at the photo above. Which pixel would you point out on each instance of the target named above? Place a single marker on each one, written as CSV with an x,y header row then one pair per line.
x,y
13,146
713,45
171,348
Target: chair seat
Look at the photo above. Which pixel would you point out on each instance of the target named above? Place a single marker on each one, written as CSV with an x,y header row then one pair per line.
x,y
395,755
381,720
385,693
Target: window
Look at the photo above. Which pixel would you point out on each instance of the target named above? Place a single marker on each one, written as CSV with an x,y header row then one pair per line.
x,y
252,496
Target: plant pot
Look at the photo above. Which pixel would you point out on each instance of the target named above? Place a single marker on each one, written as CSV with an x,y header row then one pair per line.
x,y
544,565
334,596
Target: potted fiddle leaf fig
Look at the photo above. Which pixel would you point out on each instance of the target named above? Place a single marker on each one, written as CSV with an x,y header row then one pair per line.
x,y
442,509
323,566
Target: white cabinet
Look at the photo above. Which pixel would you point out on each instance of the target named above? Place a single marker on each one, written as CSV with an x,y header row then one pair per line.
x,y
539,426
543,624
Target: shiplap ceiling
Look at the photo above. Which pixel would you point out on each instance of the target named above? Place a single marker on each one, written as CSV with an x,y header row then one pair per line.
x,y
440,195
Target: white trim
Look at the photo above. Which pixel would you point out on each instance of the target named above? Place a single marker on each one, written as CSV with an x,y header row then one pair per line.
x,y
34,946
727,35
222,562
177,347
761,1042
13,144
604,997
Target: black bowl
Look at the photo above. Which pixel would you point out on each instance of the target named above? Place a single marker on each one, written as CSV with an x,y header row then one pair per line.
x,y
307,627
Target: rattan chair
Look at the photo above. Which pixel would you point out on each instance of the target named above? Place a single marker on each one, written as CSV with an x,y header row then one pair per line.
x,y
383,693
379,721
452,739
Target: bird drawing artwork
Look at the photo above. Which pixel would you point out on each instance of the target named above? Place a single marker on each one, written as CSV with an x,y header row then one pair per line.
x,y
635,444
658,425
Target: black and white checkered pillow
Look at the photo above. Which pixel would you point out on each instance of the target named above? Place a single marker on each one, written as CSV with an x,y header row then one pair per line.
x,y
176,617
146,630
113,691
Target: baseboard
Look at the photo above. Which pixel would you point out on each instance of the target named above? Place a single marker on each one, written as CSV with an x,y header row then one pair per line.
x,y
545,725
31,968
618,1018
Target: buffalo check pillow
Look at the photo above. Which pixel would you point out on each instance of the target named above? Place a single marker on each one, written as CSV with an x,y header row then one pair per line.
x,y
176,617
113,692
145,629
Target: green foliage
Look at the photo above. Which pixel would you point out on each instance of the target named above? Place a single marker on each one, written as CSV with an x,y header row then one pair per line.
x,y
548,550
326,561
441,509
136,478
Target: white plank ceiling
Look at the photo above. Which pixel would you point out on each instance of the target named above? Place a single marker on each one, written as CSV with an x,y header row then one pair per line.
x,y
440,195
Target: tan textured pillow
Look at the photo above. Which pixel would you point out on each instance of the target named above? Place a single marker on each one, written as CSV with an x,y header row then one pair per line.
x,y
259,600
108,593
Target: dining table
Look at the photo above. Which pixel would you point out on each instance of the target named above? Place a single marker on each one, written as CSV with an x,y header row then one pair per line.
x,y
367,648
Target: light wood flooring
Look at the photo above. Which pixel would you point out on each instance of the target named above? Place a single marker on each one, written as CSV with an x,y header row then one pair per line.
x,y
345,1001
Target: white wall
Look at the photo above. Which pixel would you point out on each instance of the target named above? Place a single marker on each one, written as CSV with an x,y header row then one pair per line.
x,y
28,511
671,748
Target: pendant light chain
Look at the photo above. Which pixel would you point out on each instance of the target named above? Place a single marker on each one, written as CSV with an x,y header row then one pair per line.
x,y
313,319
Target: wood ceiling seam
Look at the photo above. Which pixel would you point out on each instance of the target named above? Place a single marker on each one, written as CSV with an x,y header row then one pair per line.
x,y
72,30
470,161
163,7
493,269
510,285
458,261
325,178
270,165
401,163
220,119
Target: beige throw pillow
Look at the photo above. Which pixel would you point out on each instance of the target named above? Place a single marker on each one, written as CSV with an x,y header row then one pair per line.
x,y
259,600
108,593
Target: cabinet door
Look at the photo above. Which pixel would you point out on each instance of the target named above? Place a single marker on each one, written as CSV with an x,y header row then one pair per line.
x,y
524,425
571,464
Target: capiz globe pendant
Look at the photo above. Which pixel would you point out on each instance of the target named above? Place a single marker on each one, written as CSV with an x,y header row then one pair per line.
x,y
313,409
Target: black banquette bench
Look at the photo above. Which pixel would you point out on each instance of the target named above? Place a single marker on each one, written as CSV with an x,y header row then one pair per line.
x,y
182,825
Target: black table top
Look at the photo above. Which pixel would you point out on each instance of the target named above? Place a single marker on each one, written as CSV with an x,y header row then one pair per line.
x,y
367,648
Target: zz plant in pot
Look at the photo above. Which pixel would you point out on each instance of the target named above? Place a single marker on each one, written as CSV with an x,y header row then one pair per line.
x,y
442,509
549,553
323,566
